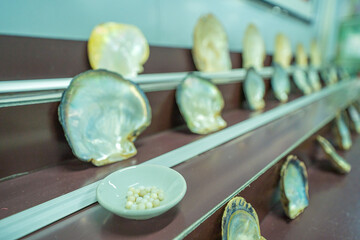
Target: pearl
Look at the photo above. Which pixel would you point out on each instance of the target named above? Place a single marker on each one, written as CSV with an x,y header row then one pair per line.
x,y
141,206
161,196
129,204
149,205
131,199
154,196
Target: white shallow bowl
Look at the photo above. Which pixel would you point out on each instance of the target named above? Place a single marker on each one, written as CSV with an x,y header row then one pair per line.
x,y
111,192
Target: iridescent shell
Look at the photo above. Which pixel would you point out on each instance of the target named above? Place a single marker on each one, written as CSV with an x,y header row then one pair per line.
x,y
253,48
300,80
294,187
280,83
355,118
335,159
254,90
102,114
240,221
200,103
210,50
119,48
342,133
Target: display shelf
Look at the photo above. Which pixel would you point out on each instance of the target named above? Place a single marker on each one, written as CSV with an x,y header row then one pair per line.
x,y
214,176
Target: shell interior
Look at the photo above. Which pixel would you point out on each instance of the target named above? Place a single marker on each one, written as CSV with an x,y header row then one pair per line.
x,y
210,50
301,82
342,133
119,48
254,89
335,159
253,48
355,118
200,103
282,54
294,187
314,80
102,114
240,221
280,83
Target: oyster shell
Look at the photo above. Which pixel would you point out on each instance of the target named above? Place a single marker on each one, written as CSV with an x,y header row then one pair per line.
x,y
102,114
280,83
200,103
355,118
240,221
336,160
210,51
119,48
253,48
299,77
342,133
282,54
314,80
254,89
294,187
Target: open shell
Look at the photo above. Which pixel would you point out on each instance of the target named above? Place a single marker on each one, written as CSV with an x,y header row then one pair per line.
x,y
253,48
300,80
102,114
342,133
240,221
200,103
117,47
355,118
280,83
210,50
336,160
254,89
294,187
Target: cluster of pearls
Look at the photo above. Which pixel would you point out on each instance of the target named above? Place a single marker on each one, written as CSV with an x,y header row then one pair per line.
x,y
142,198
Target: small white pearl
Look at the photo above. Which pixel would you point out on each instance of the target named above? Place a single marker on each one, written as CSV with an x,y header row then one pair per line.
x,y
154,196
156,202
131,199
133,207
151,200
147,196
128,204
136,191
141,206
139,199
142,193
132,189
144,200
149,205
141,188
136,195
161,196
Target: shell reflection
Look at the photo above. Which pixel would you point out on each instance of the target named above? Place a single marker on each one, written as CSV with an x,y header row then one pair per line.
x,y
294,187
254,89
119,48
280,83
200,103
211,50
240,221
335,159
102,114
342,133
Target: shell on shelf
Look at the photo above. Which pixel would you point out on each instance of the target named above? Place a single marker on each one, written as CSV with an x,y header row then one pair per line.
x,y
335,159
102,114
355,118
211,49
342,133
282,54
240,221
253,48
294,187
280,83
200,103
254,90
300,80
117,47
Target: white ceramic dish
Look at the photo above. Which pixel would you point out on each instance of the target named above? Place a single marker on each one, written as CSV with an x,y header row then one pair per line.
x,y
111,192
